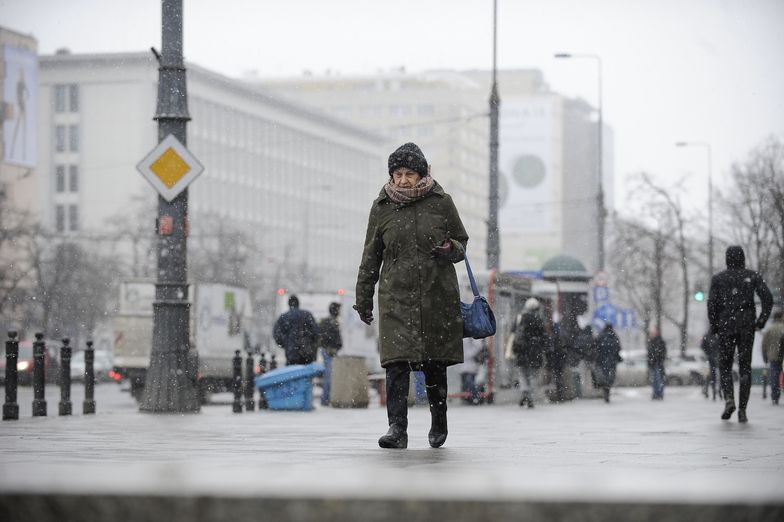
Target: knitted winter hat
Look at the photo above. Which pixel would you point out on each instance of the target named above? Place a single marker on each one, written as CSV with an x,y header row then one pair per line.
x,y
408,155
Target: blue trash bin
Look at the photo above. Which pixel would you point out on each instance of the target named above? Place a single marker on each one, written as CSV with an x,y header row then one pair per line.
x,y
290,387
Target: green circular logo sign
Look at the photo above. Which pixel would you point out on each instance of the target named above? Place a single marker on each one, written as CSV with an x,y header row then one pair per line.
x,y
528,171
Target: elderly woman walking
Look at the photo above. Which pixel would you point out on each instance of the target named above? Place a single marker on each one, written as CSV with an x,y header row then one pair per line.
x,y
414,237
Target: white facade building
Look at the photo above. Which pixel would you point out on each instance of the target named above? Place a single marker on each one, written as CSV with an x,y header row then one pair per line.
x,y
298,180
548,170
547,154
443,112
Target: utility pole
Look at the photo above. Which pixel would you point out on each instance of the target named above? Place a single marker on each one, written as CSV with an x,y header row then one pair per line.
x,y
600,208
493,239
170,385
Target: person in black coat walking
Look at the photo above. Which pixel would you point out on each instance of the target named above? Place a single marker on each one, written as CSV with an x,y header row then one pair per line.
x,y
657,354
733,316
608,355
710,345
528,347
296,331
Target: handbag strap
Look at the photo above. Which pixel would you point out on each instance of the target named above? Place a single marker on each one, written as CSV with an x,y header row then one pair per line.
x,y
474,288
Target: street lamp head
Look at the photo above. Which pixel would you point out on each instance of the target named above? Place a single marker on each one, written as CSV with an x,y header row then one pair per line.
x,y
681,144
562,55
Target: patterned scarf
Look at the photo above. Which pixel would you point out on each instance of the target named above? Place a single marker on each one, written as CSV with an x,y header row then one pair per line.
x,y
407,195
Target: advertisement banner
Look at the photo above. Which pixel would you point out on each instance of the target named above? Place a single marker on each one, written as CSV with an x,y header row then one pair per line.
x,y
20,95
525,163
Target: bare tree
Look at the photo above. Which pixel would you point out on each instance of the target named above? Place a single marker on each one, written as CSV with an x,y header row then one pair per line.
x,y
222,252
132,236
73,287
652,257
17,230
755,209
633,274
668,211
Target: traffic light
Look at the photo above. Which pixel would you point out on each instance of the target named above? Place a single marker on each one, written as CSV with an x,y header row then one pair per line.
x,y
699,295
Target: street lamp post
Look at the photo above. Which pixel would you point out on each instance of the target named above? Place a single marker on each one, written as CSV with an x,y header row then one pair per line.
x,y
493,239
710,196
306,233
170,381
600,210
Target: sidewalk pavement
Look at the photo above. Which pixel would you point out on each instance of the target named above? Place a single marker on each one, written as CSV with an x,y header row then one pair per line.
x,y
584,460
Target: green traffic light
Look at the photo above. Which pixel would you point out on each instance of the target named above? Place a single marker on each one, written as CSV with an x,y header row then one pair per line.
x,y
699,296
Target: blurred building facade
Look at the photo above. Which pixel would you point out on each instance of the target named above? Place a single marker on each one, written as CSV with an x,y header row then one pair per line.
x,y
548,168
548,155
295,179
443,112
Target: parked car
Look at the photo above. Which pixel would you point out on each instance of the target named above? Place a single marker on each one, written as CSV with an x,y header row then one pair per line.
x,y
24,364
632,371
687,370
103,366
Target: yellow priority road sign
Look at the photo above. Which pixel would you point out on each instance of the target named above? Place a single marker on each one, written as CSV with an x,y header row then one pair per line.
x,y
170,167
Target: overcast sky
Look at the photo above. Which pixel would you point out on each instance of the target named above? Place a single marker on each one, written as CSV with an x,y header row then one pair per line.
x,y
703,70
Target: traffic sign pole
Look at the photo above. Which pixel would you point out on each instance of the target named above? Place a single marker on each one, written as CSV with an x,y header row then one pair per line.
x,y
169,386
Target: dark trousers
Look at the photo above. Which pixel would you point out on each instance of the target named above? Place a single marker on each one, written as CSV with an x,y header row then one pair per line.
x,y
468,384
743,341
398,378
710,380
774,372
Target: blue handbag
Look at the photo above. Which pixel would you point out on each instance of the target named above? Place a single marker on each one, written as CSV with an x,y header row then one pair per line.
x,y
478,317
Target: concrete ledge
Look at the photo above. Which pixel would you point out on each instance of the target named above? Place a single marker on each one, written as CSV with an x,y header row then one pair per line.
x,y
144,508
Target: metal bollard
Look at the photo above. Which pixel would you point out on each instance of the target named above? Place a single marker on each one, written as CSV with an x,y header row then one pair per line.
x,y
237,383
250,374
10,407
65,406
262,370
39,377
88,406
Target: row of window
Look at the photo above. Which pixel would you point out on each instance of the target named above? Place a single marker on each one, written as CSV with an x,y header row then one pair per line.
x,y
250,135
61,223
72,178
66,98
66,139
378,111
66,134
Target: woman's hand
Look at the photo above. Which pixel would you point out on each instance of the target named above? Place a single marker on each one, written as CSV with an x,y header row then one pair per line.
x,y
442,250
366,316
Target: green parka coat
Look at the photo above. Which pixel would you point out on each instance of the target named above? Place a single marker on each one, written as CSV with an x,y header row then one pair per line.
x,y
418,295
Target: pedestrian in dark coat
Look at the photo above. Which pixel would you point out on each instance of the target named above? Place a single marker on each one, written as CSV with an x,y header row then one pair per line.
x,y
772,353
585,345
733,315
414,237
710,346
331,342
529,347
657,354
296,331
608,355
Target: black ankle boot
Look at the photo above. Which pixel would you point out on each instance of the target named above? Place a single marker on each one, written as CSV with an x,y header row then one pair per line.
x,y
395,438
729,407
437,435
742,416
438,429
